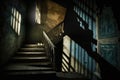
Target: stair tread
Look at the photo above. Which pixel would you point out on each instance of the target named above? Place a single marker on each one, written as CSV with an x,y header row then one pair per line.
x,y
32,63
26,48
31,72
34,45
26,67
43,57
30,52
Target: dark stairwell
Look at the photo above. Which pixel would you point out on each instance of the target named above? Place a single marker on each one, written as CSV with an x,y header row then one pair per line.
x,y
57,45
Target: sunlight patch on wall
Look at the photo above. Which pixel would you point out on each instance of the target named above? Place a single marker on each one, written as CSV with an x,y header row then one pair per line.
x,y
15,20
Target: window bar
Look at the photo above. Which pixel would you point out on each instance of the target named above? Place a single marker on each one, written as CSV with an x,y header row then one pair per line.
x,y
11,23
13,18
15,28
78,58
83,50
70,55
88,59
86,63
82,60
92,66
74,55
19,24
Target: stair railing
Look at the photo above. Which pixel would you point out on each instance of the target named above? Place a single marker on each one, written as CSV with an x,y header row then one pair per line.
x,y
56,33
49,46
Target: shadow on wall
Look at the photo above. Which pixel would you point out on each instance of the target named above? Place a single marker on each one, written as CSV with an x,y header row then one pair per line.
x,y
84,38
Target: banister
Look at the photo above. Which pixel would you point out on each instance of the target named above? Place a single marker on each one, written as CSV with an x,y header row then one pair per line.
x,y
48,39
49,48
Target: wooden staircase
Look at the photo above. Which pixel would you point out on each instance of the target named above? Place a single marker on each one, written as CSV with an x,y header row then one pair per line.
x,y
29,63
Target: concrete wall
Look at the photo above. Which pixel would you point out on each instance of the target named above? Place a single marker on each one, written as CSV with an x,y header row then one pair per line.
x,y
10,41
55,14
51,15
108,35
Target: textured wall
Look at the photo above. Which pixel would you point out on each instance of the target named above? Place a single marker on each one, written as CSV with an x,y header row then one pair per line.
x,y
108,35
55,15
10,41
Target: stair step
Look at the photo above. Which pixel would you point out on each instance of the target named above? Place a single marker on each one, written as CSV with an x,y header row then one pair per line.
x,y
34,45
30,59
71,76
26,68
32,49
30,54
40,73
34,64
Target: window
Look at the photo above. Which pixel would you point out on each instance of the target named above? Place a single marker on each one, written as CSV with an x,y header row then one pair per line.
x,y
15,20
37,15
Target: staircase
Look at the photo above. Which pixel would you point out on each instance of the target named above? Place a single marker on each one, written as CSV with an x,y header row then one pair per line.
x,y
29,63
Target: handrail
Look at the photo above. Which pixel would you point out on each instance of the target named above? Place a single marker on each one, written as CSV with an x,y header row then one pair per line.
x,y
56,34
49,48
57,25
48,39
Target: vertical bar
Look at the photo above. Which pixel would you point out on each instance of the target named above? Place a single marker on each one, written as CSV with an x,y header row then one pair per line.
x,y
78,58
74,56
19,25
89,59
84,50
70,55
16,22
81,61
92,66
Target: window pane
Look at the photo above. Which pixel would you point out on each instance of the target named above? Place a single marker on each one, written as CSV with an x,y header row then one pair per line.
x,y
19,24
11,22
37,16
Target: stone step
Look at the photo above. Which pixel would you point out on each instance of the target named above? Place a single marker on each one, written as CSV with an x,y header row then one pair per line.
x,y
30,73
31,49
71,76
30,54
30,59
45,64
17,67
37,45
